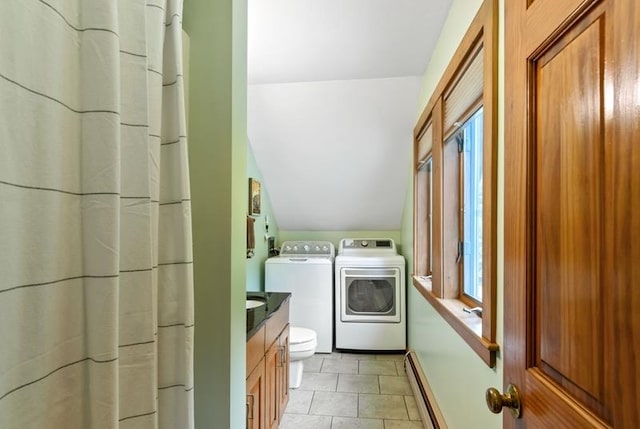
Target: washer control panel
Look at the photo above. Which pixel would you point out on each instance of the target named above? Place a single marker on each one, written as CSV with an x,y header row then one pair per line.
x,y
308,248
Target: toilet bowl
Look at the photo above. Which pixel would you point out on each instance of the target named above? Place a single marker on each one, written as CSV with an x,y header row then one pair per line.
x,y
302,345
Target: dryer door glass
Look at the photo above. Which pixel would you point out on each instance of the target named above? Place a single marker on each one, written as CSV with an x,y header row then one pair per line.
x,y
370,294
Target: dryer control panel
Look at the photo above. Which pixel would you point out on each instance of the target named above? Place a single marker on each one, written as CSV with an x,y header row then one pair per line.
x,y
367,245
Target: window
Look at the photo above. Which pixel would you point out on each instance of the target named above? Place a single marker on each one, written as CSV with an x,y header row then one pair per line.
x,y
454,189
425,195
470,149
424,202
429,186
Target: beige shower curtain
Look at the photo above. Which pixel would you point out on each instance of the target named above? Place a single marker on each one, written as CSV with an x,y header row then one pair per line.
x,y
96,285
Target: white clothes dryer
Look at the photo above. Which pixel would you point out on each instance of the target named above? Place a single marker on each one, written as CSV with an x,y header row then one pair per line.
x,y
370,310
305,269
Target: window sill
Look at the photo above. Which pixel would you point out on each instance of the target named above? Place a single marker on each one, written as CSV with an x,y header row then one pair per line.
x,y
467,325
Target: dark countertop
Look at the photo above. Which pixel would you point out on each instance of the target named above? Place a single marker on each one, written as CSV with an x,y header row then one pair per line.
x,y
257,316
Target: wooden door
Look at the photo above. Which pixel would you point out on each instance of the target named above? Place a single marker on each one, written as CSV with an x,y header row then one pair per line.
x,y
572,212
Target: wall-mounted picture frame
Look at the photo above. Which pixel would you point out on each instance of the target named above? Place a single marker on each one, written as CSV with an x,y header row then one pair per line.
x,y
255,202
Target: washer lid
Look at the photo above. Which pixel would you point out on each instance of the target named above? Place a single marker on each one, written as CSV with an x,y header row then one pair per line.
x,y
299,335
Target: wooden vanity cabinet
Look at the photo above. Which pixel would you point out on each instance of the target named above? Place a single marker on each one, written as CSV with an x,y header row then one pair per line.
x,y
256,390
277,378
268,371
283,373
272,362
256,381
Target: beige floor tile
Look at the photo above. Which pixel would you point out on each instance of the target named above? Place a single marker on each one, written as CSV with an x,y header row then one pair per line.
x,y
402,424
377,367
322,382
353,423
359,356
334,404
339,366
393,356
382,407
299,421
358,383
412,408
313,364
395,385
353,391
299,401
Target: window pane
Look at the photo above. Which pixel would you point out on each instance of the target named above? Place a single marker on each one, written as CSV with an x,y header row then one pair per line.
x,y
430,214
423,202
472,208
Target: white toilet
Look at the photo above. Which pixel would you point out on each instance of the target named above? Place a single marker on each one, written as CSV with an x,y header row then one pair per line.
x,y
302,345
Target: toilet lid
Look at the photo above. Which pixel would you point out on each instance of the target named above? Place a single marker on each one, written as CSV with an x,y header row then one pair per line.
x,y
299,335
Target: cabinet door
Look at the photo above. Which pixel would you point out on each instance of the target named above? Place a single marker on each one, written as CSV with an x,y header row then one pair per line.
x,y
283,372
256,397
272,362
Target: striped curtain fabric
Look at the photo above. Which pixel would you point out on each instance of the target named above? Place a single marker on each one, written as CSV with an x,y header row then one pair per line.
x,y
96,284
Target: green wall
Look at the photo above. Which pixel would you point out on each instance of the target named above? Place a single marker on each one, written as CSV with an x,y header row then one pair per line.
x,y
456,374
255,265
217,160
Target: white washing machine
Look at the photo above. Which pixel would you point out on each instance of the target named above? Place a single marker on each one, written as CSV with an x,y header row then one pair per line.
x,y
370,310
305,268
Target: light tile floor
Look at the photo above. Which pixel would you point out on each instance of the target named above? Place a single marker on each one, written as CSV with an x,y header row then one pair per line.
x,y
352,391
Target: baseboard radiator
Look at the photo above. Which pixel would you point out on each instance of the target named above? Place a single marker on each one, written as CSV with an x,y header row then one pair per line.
x,y
431,416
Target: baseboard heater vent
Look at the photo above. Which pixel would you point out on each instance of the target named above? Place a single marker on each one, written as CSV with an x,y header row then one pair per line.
x,y
427,406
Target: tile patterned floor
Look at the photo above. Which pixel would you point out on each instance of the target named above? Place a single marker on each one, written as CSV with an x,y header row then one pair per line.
x,y
352,391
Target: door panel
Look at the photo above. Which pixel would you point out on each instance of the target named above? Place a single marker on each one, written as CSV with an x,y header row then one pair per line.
x,y
624,217
568,151
572,196
547,16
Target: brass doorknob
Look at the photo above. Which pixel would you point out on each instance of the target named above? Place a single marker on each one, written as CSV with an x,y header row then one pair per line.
x,y
496,400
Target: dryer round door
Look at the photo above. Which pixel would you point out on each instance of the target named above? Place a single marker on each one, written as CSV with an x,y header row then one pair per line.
x,y
370,295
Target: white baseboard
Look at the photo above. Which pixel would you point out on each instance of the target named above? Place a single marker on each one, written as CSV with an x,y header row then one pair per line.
x,y
430,414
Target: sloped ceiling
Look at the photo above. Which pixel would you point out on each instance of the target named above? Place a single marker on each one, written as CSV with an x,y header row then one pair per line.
x,y
332,101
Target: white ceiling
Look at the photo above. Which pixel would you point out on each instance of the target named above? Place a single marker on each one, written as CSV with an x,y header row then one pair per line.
x,y
332,100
